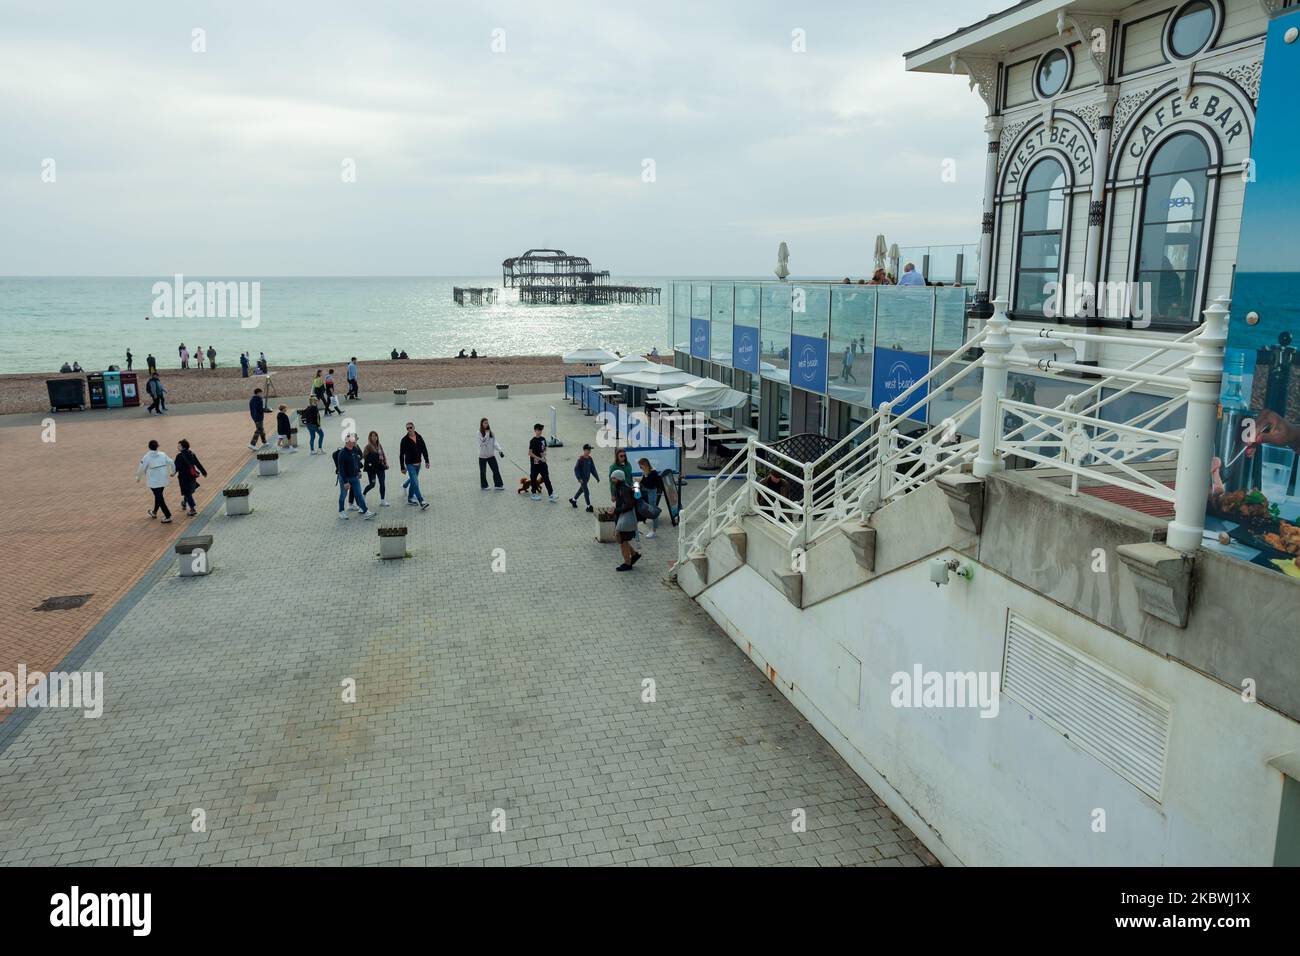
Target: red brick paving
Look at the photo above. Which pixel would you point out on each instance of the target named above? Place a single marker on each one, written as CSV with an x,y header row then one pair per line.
x,y
75,520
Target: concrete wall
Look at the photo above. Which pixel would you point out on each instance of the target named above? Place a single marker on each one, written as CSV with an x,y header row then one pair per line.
x,y
1010,790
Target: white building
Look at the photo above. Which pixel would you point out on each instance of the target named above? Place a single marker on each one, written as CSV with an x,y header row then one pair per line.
x,y
1119,140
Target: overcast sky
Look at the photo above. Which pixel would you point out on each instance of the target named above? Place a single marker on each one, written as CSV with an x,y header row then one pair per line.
x,y
231,161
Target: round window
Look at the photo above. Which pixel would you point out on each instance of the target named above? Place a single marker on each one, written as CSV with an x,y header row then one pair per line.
x,y
1052,72
1191,29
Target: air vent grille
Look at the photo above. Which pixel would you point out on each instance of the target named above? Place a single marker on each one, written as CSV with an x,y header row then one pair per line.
x,y
1114,720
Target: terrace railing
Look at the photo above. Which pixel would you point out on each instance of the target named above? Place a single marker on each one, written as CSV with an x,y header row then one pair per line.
x,y
891,454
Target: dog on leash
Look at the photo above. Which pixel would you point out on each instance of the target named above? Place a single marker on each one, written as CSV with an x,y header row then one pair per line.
x,y
527,487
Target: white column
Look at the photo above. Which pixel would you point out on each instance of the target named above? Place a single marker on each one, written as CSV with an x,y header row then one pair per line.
x,y
1192,486
1097,198
993,129
996,345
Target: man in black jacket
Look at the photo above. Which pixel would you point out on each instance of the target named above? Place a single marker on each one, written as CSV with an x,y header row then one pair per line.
x,y
347,467
409,455
257,412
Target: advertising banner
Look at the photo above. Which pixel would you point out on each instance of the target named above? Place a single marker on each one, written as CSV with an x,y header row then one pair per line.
x,y
1254,506
894,373
700,334
744,348
808,363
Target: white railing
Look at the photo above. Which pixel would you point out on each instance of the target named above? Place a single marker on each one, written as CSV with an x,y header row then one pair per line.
x,y
878,463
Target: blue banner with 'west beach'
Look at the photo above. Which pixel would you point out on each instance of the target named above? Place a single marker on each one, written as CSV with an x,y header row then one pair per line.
x,y
808,363
744,348
700,339
894,373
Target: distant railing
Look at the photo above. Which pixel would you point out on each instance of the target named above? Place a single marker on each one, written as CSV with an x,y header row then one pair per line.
x,y
878,462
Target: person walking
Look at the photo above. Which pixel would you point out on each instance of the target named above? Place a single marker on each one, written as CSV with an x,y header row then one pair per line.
x,y
311,418
318,389
620,465
185,356
262,367
156,468
488,450
624,520
243,365
198,357
154,389
329,387
584,469
283,430
352,379
152,363
212,357
846,369
129,359
188,469
409,455
652,485
347,471
376,463
257,412
538,469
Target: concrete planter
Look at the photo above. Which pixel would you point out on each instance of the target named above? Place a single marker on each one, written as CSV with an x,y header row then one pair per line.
x,y
392,542
399,396
503,391
268,463
238,500
194,554
605,521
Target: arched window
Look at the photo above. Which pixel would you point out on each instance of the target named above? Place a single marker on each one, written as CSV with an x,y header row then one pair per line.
x,y
1173,227
1042,218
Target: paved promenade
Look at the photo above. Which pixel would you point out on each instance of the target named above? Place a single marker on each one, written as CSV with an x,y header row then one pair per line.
x,y
498,717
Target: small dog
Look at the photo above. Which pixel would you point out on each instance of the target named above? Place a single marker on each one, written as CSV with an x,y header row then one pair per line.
x,y
527,487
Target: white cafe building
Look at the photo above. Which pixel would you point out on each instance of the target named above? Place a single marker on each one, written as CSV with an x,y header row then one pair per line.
x,y
1119,139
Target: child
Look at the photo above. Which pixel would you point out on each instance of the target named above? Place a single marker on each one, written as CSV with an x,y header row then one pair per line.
x,y
584,469
334,405
285,439
539,471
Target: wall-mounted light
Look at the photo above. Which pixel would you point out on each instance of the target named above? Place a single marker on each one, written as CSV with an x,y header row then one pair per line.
x,y
941,568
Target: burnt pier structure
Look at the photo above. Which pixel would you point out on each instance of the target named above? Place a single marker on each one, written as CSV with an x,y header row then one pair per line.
x,y
553,277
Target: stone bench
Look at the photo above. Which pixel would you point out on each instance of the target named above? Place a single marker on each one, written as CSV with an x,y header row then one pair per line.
x,y
392,541
399,396
237,500
268,463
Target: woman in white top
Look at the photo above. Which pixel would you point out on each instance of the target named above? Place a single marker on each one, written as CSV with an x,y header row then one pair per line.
x,y
156,468
488,449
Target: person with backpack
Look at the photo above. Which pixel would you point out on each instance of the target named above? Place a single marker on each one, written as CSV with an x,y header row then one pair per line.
x,y
188,469
311,418
410,453
257,412
376,463
156,468
538,469
155,390
584,469
283,430
347,472
488,450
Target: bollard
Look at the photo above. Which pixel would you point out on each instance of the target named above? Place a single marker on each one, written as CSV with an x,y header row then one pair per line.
x,y
268,463
193,555
392,541
237,500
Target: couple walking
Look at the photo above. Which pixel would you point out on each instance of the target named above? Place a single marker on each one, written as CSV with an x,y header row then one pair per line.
x,y
350,461
157,469
489,449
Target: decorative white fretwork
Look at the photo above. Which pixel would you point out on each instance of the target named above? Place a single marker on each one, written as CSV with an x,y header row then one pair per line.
x,y
1094,33
1247,77
1090,114
982,72
1272,7
1009,134
1126,106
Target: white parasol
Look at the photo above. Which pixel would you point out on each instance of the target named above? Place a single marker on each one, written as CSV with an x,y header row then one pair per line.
x,y
656,376
703,395
589,356
880,251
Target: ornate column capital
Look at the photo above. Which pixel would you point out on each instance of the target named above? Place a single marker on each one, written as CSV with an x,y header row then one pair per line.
x,y
1093,30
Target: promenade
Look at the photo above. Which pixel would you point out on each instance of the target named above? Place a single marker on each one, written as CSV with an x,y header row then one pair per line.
x,y
499,714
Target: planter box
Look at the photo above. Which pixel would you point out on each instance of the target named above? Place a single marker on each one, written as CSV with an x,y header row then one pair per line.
x,y
605,529
268,463
293,438
392,541
503,391
238,500
194,554
399,396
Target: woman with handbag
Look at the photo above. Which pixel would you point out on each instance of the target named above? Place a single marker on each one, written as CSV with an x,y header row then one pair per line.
x,y
376,463
651,484
625,519
188,469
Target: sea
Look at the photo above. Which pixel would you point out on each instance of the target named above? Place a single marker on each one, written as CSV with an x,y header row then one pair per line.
x,y
47,321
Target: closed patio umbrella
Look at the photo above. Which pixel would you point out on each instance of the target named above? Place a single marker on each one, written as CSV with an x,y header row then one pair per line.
x,y
589,356
628,363
880,251
703,395
656,376
893,261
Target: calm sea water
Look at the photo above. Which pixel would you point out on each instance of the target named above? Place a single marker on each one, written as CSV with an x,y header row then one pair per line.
x,y
47,321
1276,297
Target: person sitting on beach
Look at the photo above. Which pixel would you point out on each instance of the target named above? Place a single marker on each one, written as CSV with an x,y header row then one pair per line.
x,y
394,355
473,353
461,354
76,367
66,368
403,355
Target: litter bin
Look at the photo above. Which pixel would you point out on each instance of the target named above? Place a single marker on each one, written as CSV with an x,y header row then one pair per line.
x,y
130,390
95,383
66,393
113,389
